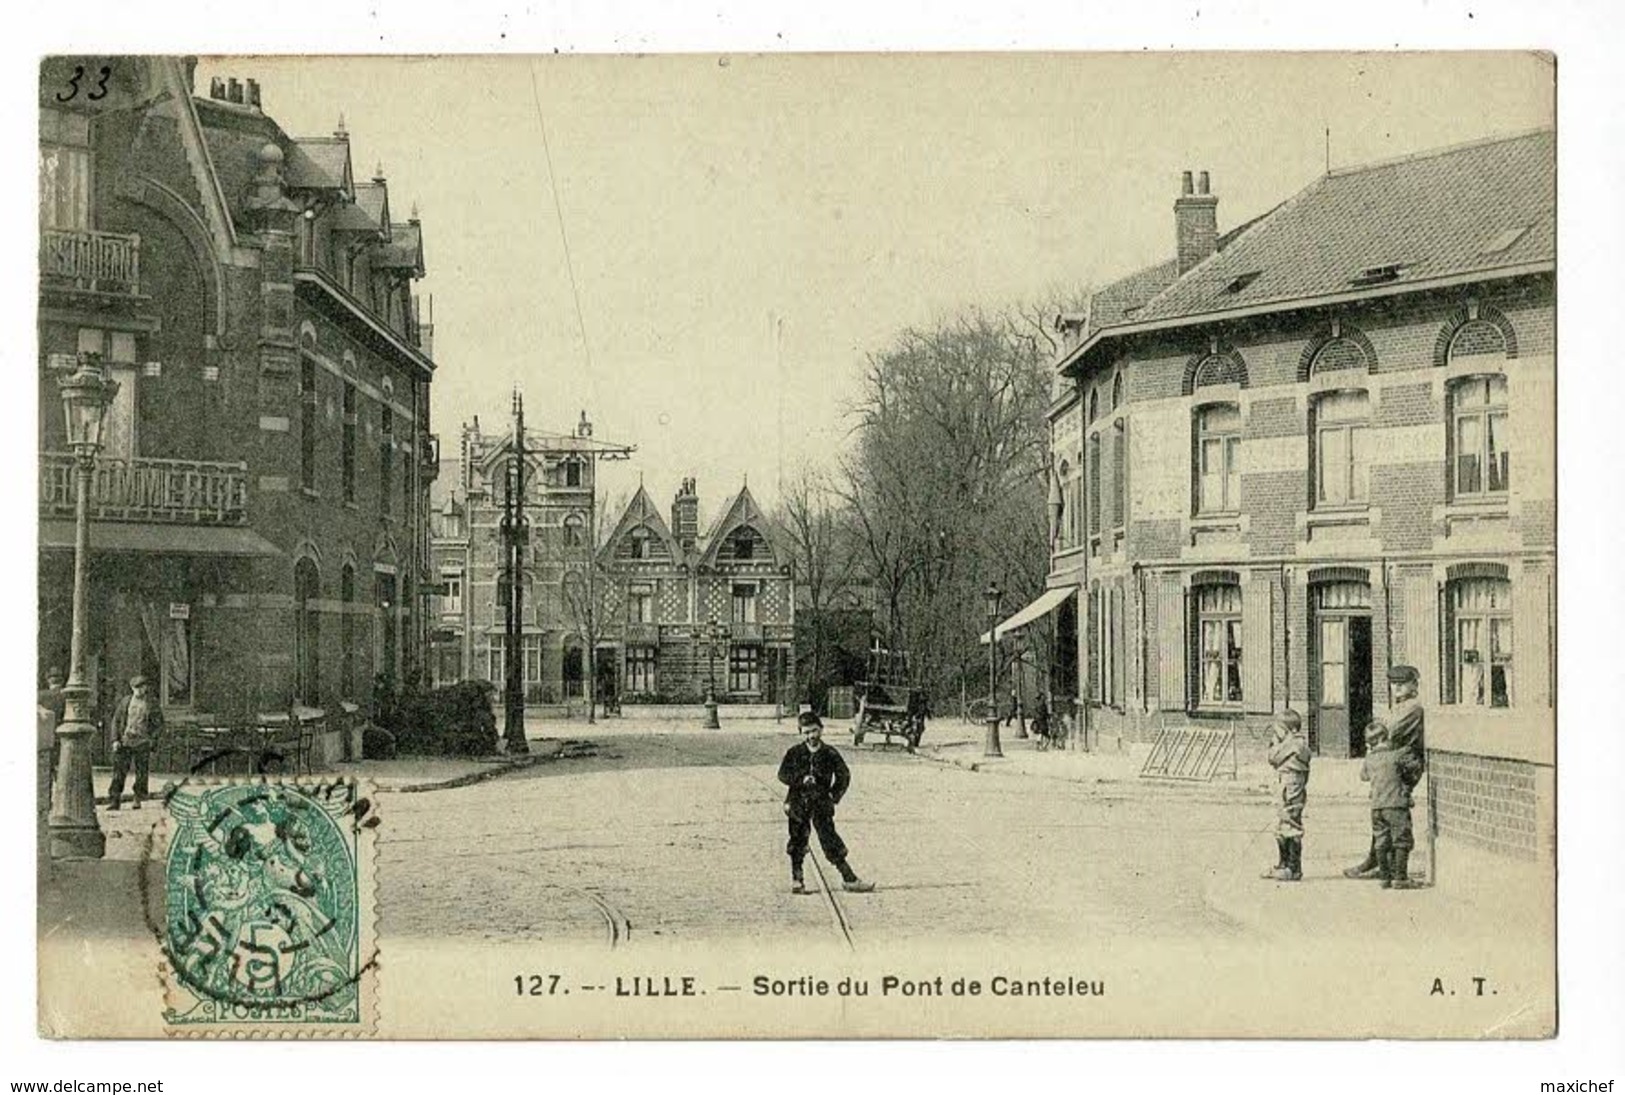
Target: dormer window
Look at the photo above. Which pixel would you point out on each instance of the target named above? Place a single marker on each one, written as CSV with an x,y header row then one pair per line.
x,y
744,546
1378,275
640,543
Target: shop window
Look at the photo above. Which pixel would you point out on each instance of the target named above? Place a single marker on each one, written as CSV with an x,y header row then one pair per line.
x,y
1218,459
1218,647
1479,639
1342,431
1481,463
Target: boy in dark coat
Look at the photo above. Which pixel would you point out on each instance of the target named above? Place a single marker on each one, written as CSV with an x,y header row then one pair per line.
x,y
1392,771
1403,726
817,779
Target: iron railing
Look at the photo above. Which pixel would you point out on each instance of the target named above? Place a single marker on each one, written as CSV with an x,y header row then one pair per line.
x,y
100,262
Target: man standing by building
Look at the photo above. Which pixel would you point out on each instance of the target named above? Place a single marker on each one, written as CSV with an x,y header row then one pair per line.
x,y
1403,726
817,778
137,722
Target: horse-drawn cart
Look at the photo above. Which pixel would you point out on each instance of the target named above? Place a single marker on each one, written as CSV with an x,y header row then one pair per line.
x,y
889,704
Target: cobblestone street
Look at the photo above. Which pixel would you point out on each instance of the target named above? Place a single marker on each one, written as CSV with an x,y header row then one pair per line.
x,y
677,834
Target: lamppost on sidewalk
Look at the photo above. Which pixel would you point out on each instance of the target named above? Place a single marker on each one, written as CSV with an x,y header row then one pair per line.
x,y
75,832
713,633
990,747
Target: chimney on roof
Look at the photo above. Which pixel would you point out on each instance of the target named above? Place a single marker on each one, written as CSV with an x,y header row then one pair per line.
x,y
584,427
685,516
217,87
339,132
251,92
234,90
1196,221
378,172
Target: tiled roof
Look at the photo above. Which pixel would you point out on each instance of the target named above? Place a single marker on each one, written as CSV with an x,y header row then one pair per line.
x,y
1470,209
405,247
372,198
318,163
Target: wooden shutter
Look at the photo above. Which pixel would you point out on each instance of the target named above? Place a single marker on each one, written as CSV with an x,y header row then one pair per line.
x,y
1422,634
1531,634
1172,639
1257,636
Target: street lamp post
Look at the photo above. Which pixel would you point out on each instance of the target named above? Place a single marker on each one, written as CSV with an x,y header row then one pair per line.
x,y
75,832
991,745
712,632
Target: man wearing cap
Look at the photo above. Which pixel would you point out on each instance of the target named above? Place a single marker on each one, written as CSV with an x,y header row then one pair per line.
x,y
1403,727
817,779
137,722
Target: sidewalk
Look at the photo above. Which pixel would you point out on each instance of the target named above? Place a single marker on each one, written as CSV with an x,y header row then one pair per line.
x,y
399,774
951,741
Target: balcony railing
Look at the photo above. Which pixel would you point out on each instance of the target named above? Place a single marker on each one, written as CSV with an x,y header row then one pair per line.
x,y
745,632
99,262
641,634
177,492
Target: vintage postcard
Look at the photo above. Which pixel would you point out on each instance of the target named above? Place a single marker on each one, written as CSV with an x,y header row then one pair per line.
x,y
797,546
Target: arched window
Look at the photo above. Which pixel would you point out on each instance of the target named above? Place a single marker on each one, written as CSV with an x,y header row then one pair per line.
x,y
1094,404
307,632
1217,458
573,531
1481,465
1338,354
1340,434
347,630
1219,369
1117,391
1479,641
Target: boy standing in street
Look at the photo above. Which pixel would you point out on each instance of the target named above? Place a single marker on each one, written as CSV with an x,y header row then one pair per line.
x,y
1403,726
1392,772
1289,756
817,779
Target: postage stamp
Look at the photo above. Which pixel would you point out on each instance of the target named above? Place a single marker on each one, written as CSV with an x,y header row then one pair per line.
x,y
268,924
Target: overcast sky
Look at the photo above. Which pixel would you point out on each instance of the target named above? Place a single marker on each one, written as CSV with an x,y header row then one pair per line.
x,y
707,199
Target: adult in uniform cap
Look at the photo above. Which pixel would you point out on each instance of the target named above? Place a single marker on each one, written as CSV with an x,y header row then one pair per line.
x,y
1403,724
817,779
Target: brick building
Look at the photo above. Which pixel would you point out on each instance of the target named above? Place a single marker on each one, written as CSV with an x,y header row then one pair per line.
x,y
1319,444
667,584
257,529
467,616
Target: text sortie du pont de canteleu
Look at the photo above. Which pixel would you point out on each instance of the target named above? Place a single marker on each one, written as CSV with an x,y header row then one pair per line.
x,y
893,985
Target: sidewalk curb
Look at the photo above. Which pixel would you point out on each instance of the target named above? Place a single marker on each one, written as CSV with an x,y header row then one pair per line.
x,y
567,750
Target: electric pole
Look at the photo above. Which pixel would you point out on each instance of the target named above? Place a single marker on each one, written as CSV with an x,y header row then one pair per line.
x,y
515,536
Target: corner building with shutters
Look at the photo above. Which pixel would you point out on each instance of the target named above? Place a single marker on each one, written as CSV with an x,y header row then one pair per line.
x,y
1319,444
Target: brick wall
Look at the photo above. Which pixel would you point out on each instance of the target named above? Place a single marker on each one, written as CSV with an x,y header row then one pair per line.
x,y
1406,495
1272,500
1489,802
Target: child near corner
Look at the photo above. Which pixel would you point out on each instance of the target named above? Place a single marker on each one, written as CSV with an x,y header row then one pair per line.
x,y
1289,756
1392,772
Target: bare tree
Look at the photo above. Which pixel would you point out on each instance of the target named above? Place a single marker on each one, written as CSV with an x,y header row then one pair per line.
x,y
816,530
945,482
583,587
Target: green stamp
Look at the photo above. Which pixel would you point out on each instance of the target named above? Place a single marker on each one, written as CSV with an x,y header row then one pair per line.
x,y
268,919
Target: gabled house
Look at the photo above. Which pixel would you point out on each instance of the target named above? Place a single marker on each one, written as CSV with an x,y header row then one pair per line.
x,y
686,611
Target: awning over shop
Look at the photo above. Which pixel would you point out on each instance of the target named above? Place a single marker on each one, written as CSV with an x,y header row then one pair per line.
x,y
1047,602
159,539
